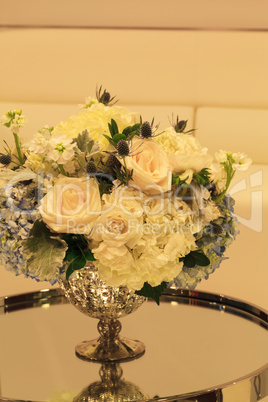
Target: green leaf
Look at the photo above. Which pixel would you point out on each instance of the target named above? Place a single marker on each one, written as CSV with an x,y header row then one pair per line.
x,y
111,141
77,263
127,130
202,177
78,253
136,127
130,131
195,258
201,259
90,256
118,137
82,140
69,272
44,252
105,187
189,261
176,180
113,128
132,134
153,292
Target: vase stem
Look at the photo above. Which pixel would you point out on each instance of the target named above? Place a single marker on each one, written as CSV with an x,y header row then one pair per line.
x,y
109,331
110,347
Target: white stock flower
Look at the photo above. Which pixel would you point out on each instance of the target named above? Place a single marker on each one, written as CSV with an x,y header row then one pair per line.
x,y
14,120
241,161
40,142
221,156
61,149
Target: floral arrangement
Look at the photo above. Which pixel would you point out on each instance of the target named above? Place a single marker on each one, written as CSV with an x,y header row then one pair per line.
x,y
147,206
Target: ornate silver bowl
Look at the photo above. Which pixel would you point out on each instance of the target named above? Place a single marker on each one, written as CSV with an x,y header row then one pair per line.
x,y
93,297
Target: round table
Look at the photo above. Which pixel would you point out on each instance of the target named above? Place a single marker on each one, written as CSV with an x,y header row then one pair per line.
x,y
199,347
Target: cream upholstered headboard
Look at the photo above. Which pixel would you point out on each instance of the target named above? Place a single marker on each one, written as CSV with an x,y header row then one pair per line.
x,y
225,71
194,68
216,80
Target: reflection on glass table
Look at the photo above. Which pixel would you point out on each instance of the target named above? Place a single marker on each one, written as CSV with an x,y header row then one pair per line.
x,y
199,347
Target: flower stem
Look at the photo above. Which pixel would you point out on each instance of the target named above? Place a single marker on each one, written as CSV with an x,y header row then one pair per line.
x,y
17,142
230,174
16,163
62,170
126,170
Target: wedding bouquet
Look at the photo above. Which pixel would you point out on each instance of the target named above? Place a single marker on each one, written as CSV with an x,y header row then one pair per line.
x,y
147,206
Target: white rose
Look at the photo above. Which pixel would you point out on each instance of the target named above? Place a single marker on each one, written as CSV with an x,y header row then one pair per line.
x,y
116,229
127,199
72,205
150,166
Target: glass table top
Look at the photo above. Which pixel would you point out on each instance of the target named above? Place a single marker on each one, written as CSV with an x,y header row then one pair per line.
x,y
198,345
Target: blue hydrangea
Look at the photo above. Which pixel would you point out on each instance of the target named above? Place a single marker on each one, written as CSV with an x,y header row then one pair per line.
x,y
213,244
18,212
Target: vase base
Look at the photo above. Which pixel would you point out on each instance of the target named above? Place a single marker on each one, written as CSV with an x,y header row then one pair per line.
x,y
121,349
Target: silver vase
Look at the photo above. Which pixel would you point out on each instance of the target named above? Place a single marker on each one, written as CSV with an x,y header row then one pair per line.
x,y
93,297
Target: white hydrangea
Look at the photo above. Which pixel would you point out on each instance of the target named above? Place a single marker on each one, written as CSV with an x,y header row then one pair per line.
x,y
95,120
89,101
179,143
150,251
35,162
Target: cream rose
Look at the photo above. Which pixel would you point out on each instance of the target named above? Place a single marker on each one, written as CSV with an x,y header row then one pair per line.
x,y
116,229
72,205
150,166
127,199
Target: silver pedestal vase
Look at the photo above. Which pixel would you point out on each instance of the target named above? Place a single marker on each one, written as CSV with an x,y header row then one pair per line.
x,y
91,296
